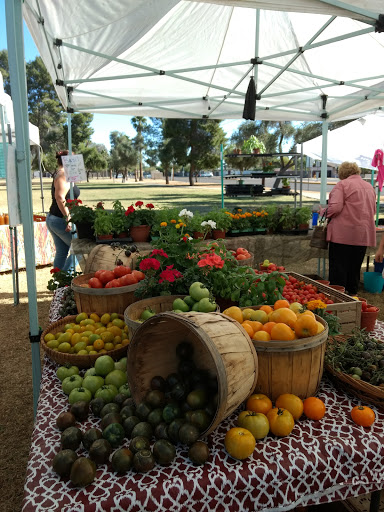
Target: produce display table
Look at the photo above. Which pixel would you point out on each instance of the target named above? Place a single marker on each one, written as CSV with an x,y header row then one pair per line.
x,y
44,246
320,462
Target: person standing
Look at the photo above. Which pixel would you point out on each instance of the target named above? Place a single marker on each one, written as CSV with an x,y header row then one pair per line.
x,y
351,226
58,217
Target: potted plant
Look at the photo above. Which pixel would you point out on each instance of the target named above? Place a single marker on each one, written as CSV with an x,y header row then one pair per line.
x,y
259,221
140,220
272,218
194,225
241,222
285,184
223,222
83,217
303,216
102,225
119,220
253,145
287,219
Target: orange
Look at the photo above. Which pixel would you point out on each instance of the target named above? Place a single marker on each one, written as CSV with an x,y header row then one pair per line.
x,y
282,332
261,336
248,328
314,408
292,403
257,326
305,326
235,313
268,327
285,316
282,303
267,309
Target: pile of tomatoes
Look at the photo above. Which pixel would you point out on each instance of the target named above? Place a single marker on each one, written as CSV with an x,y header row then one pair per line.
x,y
119,276
241,254
299,291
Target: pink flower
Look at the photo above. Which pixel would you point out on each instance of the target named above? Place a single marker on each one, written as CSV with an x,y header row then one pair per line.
x,y
159,252
149,205
129,210
139,203
149,263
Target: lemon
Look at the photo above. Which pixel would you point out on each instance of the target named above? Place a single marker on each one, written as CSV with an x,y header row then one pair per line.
x,y
119,323
84,339
49,337
114,316
80,317
57,335
109,346
105,319
75,338
65,337
95,317
82,353
53,344
64,347
92,352
80,346
107,336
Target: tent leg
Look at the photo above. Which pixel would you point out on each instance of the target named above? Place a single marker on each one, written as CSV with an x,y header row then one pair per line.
x,y
41,178
323,183
14,262
222,173
14,24
378,208
69,117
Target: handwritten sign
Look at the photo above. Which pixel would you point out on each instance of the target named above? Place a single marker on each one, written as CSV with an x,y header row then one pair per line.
x,y
74,168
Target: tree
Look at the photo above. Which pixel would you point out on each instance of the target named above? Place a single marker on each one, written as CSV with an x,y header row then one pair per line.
x,y
141,126
81,129
195,142
123,154
4,70
94,160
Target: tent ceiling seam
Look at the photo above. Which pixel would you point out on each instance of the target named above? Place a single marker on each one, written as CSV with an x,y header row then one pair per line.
x,y
351,8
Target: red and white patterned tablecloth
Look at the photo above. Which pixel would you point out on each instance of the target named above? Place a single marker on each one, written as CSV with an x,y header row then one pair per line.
x,y
321,461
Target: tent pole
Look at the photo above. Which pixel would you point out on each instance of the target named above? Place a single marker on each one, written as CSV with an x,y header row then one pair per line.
x,y
323,182
301,175
69,121
378,207
222,173
41,178
14,24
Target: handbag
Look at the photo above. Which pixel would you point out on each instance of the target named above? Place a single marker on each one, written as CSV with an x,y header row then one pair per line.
x,y
319,234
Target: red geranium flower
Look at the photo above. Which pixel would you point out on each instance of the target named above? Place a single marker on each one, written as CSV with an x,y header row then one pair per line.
x,y
149,205
149,263
130,210
159,252
169,274
139,203
54,270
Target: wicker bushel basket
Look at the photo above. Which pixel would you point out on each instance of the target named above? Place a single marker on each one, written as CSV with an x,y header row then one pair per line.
x,y
81,361
220,345
367,393
291,366
108,300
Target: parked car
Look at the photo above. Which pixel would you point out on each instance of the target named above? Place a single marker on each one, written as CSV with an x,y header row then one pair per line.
x,y
206,174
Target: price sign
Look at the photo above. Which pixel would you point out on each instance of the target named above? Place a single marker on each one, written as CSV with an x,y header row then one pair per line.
x,y
74,168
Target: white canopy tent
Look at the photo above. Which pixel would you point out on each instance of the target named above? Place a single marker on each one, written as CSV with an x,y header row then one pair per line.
x,y
311,60
355,142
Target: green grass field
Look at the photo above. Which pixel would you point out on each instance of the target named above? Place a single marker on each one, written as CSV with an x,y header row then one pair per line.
x,y
203,197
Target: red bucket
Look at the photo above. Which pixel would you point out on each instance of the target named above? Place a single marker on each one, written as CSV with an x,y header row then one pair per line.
x,y
337,287
368,318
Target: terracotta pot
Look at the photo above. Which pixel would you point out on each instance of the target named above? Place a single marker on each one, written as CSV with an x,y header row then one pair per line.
x,y
218,233
256,151
337,287
368,319
124,234
303,227
198,234
140,233
209,236
105,237
323,281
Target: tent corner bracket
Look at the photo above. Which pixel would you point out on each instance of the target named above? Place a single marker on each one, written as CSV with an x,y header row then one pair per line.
x,y
379,26
35,338
58,42
256,60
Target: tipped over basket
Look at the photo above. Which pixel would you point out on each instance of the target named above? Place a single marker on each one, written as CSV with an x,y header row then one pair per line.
x,y
221,346
291,366
107,300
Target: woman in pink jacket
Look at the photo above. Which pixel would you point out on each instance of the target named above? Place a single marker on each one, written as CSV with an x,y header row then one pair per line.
x,y
351,226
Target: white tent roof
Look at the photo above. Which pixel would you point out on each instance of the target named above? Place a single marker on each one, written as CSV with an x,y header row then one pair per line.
x,y
355,142
171,58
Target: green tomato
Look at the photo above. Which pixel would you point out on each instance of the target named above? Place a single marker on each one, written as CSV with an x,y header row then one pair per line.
x,y
107,393
69,383
93,383
181,305
195,307
207,306
79,394
198,291
147,313
121,364
90,372
189,301
125,390
355,370
104,365
114,433
66,371
116,377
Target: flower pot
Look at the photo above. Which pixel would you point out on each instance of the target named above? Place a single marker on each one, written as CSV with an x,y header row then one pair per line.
x,y
208,236
140,233
256,151
85,230
105,237
368,319
303,227
218,233
337,287
323,281
124,234
198,234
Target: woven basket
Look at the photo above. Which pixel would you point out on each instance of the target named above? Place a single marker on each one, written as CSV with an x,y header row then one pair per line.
x,y
366,392
160,304
81,361
248,262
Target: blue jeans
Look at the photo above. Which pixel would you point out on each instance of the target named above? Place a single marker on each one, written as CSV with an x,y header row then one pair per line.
x,y
62,240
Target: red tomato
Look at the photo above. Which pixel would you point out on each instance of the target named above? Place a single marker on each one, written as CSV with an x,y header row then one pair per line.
x,y
127,280
98,273
95,283
364,306
121,271
138,275
106,276
114,284
372,309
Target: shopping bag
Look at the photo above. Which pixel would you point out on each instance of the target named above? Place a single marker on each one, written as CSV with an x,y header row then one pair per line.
x,y
319,234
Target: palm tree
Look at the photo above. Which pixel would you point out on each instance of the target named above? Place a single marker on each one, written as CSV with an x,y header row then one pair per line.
x,y
140,125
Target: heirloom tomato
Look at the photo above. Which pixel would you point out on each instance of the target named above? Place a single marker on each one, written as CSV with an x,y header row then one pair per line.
x,y
292,403
281,422
363,415
259,403
256,422
106,276
121,271
239,443
314,408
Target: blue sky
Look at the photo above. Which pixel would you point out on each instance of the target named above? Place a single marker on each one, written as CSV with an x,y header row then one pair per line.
x,y
102,124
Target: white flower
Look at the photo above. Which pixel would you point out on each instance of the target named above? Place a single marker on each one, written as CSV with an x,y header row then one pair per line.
x,y
185,213
210,223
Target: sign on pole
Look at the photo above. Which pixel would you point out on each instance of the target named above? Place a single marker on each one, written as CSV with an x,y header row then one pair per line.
x,y
74,168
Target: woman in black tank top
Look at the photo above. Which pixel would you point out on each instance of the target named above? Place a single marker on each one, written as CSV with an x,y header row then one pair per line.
x,y
59,214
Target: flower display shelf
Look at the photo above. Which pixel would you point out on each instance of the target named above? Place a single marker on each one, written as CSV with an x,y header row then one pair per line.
x,y
127,239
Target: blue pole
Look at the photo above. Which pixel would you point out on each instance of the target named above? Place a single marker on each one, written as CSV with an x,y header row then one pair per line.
x,y
222,173
14,24
69,122
323,185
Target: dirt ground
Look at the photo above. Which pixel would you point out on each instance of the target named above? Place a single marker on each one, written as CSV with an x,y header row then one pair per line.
x,y
16,404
